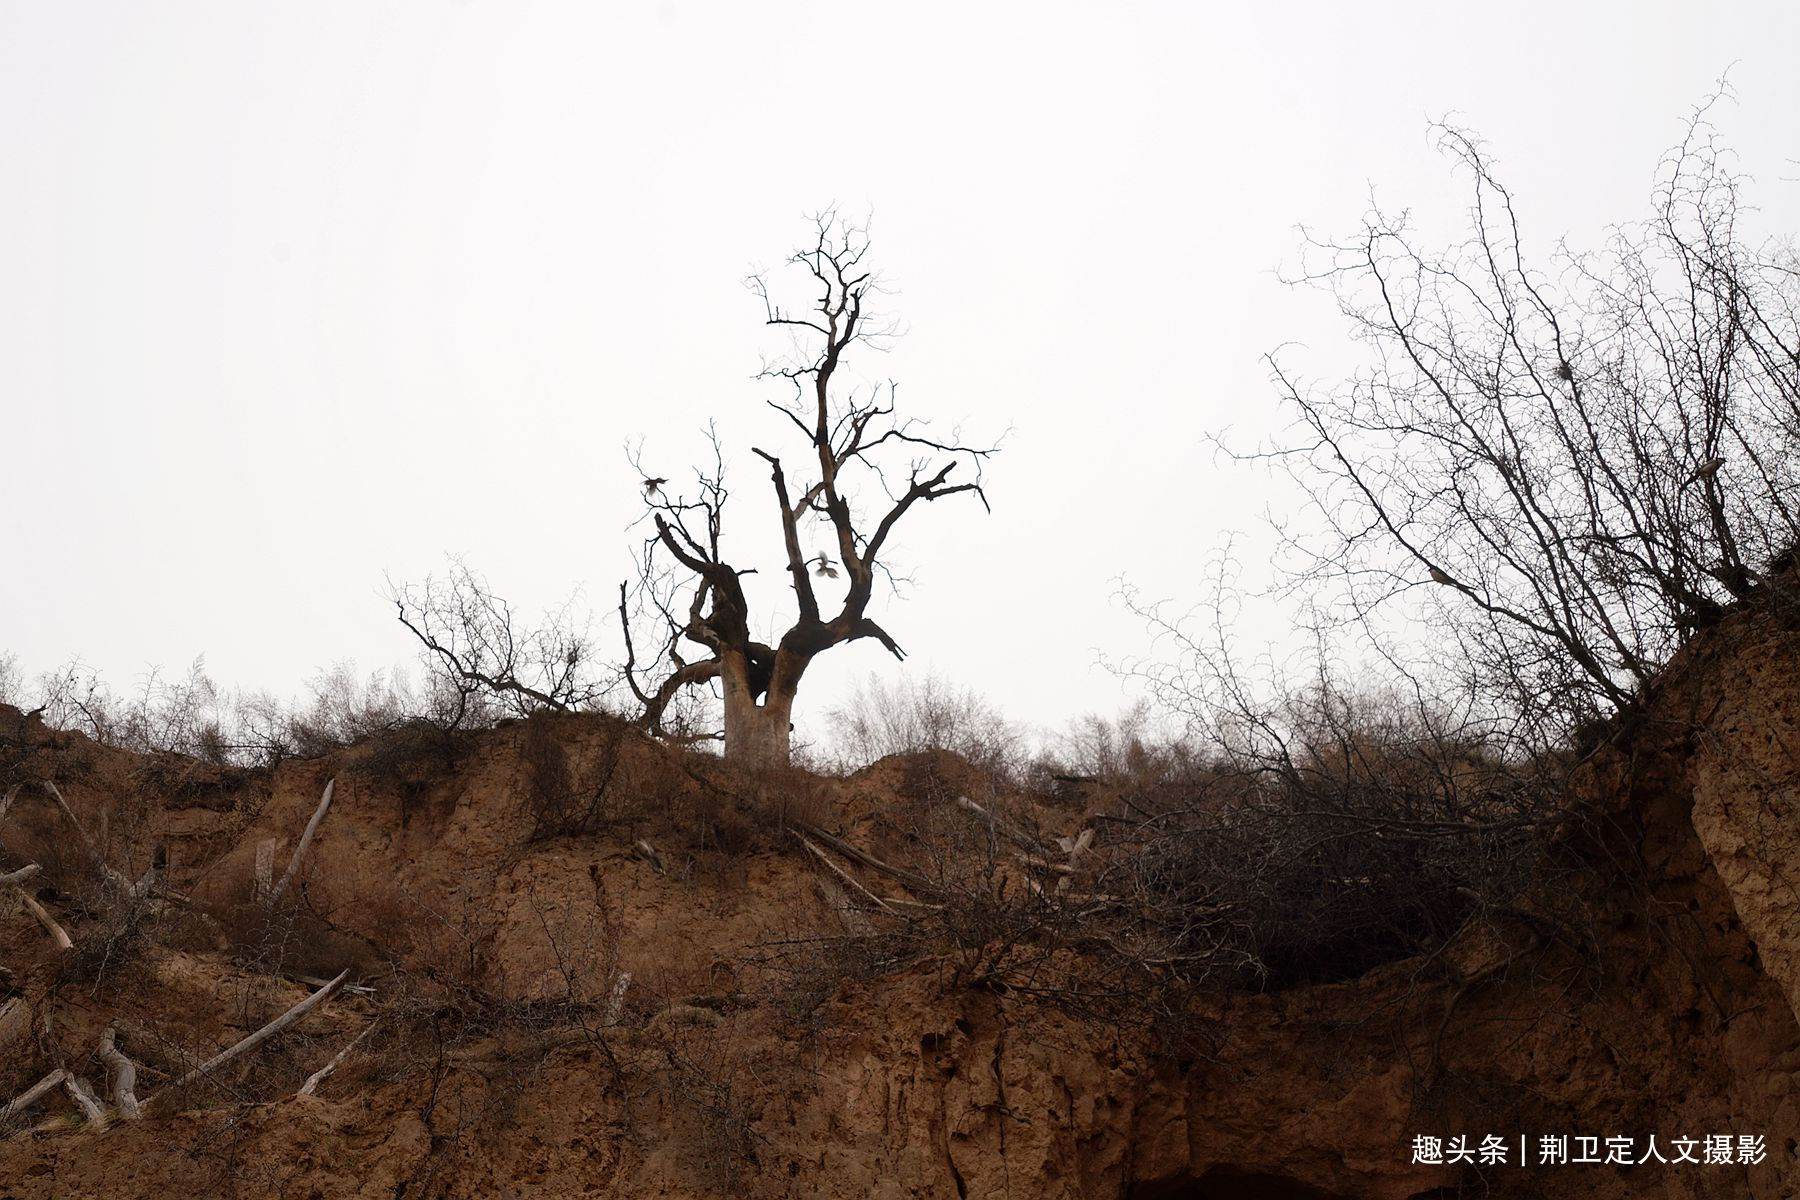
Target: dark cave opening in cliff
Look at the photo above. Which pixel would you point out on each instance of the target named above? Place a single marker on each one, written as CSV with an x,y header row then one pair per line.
x,y
1228,1183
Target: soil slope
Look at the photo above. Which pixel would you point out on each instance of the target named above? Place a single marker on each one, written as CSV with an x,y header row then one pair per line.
x,y
656,987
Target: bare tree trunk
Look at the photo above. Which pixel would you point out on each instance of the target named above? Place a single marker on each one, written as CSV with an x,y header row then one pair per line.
x,y
756,734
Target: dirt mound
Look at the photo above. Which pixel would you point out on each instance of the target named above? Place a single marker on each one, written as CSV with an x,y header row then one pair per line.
x,y
576,962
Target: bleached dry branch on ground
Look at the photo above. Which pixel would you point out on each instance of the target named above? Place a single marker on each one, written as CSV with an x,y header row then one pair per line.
x,y
318,1076
21,875
256,1039
32,1095
819,854
84,1098
912,879
123,1075
306,838
56,932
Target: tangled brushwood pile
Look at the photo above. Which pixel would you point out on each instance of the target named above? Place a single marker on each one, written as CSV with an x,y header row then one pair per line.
x,y
558,958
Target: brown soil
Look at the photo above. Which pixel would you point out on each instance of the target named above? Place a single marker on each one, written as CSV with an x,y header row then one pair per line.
x,y
745,1056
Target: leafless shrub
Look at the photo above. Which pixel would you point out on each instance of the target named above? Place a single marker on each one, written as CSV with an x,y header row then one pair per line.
x,y
1142,767
1577,466
162,715
915,715
561,800
12,684
810,965
115,939
708,1082
1373,835
347,709
790,798
34,832
484,661
192,717
1333,828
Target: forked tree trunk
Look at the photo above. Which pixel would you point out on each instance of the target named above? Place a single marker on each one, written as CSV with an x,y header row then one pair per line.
x,y
756,734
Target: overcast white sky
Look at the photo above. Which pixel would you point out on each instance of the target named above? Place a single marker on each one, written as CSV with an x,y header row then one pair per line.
x,y
293,296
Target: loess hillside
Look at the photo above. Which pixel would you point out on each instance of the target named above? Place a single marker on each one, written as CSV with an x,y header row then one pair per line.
x,y
569,961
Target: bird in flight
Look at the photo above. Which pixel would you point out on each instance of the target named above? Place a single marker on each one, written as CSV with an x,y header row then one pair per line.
x,y
653,486
822,566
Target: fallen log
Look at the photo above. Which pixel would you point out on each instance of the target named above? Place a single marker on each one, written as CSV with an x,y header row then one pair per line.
x,y
21,875
1044,864
313,981
56,932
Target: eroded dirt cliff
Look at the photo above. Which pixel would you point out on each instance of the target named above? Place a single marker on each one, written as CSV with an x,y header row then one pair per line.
x,y
668,988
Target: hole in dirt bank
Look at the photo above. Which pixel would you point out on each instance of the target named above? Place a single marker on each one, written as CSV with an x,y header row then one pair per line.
x,y
1229,1183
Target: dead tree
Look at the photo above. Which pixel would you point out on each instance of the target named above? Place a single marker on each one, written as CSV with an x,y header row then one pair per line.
x,y
861,468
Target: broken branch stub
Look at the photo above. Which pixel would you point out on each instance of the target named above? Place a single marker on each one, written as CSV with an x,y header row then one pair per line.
x,y
56,932
84,1098
123,1073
